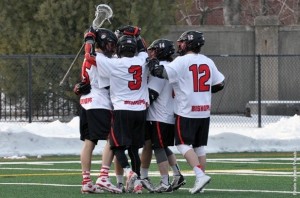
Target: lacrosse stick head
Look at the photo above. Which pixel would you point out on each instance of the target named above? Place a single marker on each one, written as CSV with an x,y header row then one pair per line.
x,y
103,12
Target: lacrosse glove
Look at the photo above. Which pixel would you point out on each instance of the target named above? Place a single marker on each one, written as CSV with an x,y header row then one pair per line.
x,y
82,88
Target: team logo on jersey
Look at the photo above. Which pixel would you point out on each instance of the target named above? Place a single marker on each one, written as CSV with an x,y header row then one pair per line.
x,y
103,36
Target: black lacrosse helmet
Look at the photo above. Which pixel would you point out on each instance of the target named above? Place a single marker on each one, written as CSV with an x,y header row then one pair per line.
x,y
126,46
194,41
103,38
164,49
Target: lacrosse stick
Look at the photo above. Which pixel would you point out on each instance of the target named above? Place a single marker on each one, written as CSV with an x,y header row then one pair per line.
x,y
103,12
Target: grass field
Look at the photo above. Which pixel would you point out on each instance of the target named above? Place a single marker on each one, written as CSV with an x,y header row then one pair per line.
x,y
267,175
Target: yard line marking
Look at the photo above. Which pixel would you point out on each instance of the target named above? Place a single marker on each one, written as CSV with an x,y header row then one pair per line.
x,y
157,174
219,160
237,190
39,184
206,189
40,174
44,169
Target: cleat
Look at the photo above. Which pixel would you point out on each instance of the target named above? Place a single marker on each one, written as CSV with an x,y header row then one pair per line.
x,y
105,184
89,187
178,181
162,188
147,184
200,183
121,187
132,176
138,187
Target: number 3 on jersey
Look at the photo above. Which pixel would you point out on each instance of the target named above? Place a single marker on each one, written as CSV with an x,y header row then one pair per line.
x,y
136,71
200,82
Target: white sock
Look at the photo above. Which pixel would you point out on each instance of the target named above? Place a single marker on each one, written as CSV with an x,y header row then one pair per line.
x,y
119,178
144,173
165,179
176,170
198,171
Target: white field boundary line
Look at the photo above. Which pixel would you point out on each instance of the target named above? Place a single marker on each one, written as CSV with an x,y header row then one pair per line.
x,y
181,189
152,173
223,160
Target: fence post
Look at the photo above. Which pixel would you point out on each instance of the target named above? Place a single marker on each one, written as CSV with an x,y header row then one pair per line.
x,y
259,90
29,89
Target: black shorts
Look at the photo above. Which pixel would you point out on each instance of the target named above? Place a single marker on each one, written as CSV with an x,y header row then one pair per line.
x,y
128,128
148,131
95,124
191,131
162,134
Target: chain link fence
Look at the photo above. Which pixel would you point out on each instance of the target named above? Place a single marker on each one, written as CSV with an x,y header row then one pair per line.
x,y
259,89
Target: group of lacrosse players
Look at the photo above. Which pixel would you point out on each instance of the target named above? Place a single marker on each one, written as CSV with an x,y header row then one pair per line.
x,y
135,97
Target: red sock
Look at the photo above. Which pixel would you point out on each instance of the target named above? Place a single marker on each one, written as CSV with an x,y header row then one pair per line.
x,y
104,171
201,167
86,176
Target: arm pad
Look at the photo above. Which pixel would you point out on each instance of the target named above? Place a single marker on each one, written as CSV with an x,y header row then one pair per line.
x,y
218,87
160,72
156,69
153,95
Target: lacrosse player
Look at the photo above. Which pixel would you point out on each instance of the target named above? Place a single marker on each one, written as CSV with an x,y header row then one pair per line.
x,y
160,119
129,95
194,78
95,117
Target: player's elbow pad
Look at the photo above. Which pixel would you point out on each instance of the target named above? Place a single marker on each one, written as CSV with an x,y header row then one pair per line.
x,y
218,87
153,95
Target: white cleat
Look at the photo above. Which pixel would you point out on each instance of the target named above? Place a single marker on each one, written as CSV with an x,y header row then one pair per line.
x,y
89,187
200,183
132,176
105,184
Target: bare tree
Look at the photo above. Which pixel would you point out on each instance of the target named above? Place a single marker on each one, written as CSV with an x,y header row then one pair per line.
x,y
236,12
287,11
192,11
231,12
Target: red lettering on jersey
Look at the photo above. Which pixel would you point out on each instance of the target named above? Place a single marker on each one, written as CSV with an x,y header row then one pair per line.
x,y
201,108
135,102
86,100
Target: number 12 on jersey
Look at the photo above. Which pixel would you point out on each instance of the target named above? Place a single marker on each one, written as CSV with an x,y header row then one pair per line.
x,y
199,83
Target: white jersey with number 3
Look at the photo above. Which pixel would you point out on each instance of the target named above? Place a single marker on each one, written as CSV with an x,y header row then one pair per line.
x,y
192,76
128,81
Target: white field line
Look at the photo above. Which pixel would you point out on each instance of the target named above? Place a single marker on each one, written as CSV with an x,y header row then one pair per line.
x,y
156,173
181,189
224,160
267,172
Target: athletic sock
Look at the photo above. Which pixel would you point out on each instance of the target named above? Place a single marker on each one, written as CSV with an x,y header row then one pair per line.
x,y
165,179
176,170
198,171
144,173
86,176
104,171
120,178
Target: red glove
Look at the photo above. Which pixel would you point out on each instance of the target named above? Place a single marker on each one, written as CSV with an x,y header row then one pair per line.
x,y
130,30
90,35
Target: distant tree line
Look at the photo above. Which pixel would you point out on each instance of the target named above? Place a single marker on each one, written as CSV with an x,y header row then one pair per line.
x,y
57,27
